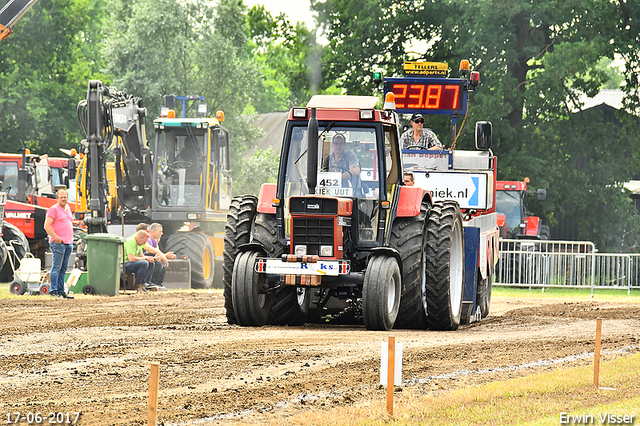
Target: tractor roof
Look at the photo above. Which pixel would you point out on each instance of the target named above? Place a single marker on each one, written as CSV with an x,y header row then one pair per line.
x,y
342,102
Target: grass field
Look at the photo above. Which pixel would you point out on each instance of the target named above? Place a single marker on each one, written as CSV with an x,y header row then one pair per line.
x,y
614,295
538,400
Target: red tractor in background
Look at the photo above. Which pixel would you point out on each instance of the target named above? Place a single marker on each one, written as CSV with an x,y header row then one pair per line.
x,y
514,220
29,182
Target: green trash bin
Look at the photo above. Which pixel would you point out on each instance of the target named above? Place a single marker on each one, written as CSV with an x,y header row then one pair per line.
x,y
104,260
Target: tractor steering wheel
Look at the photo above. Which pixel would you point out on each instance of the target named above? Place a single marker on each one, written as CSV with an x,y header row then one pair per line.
x,y
182,164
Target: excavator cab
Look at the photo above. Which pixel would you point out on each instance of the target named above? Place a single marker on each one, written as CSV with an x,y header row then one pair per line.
x,y
191,167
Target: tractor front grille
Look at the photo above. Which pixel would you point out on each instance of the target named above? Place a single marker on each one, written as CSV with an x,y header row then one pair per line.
x,y
312,232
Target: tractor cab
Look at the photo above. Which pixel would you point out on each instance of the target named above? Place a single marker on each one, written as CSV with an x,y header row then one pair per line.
x,y
352,165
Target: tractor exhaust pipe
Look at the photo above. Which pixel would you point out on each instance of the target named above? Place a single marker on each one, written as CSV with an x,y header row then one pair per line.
x,y
312,152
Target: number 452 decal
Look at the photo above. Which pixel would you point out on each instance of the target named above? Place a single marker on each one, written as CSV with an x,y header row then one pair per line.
x,y
330,183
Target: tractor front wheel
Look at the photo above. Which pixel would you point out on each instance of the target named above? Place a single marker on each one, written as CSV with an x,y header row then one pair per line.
x,y
252,300
483,297
237,232
12,235
381,292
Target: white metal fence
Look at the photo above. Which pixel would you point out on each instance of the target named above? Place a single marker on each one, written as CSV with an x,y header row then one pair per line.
x,y
575,264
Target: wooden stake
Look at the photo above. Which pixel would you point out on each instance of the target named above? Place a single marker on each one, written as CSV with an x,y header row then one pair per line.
x,y
596,355
153,394
390,371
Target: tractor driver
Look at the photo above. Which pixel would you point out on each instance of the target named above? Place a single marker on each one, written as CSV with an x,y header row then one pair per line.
x,y
341,160
418,136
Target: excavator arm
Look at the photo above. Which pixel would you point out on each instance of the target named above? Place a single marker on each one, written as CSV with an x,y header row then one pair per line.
x,y
11,13
113,120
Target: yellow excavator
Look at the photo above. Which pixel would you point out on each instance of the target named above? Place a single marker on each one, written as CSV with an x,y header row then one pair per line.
x,y
181,180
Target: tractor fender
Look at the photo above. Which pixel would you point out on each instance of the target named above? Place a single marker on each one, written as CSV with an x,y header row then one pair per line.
x,y
410,200
533,223
387,251
252,246
265,200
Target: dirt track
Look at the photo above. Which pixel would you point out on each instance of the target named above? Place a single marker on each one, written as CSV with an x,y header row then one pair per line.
x,y
92,355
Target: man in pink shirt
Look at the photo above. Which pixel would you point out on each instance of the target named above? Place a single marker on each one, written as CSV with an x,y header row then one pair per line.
x,y
59,226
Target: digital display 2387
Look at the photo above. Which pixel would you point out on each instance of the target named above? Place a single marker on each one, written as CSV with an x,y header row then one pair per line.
x,y
430,96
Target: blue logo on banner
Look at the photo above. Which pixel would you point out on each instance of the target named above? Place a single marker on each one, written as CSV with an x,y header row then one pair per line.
x,y
473,201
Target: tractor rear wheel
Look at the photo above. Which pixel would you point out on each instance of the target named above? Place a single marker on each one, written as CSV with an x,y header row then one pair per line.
x,y
237,232
13,236
408,237
445,266
381,292
544,233
252,300
198,248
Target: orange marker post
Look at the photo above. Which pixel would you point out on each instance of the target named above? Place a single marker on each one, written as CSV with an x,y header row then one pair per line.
x,y
596,354
390,370
153,394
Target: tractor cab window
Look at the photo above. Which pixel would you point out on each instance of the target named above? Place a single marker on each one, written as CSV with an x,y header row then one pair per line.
x,y
222,169
180,158
9,176
508,203
44,177
347,167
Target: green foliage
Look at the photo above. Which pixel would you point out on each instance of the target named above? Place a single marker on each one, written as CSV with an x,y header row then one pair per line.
x,y
241,61
44,66
285,54
261,167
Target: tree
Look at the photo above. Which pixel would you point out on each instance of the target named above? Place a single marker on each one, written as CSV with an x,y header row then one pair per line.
x,y
536,59
146,48
285,54
44,66
169,47
261,167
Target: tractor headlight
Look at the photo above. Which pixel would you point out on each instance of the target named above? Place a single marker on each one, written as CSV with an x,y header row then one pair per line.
x,y
326,251
300,250
299,113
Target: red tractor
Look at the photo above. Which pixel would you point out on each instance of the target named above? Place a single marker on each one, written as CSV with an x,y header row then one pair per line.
x,y
514,220
30,182
340,237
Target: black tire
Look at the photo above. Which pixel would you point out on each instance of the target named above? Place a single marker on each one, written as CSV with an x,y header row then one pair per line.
x,y
13,236
251,301
545,233
290,304
445,266
408,237
237,232
198,248
45,289
381,292
483,296
3,254
18,287
87,289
